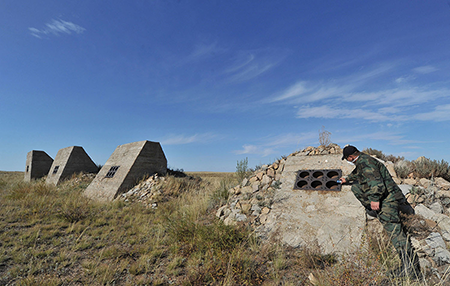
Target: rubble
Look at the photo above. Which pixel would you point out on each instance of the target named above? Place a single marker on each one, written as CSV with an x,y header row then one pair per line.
x,y
149,192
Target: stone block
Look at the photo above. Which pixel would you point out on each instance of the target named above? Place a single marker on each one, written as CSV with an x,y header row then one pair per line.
x,y
69,161
38,165
125,168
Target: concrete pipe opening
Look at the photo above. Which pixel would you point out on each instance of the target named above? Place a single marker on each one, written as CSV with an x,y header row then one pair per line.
x,y
333,175
304,174
316,184
318,174
302,184
332,185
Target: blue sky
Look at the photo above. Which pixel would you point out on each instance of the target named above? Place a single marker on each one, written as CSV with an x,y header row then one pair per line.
x,y
218,81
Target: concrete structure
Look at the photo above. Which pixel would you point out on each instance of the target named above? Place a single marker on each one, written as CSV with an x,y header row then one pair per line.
x,y
125,168
37,166
69,161
334,220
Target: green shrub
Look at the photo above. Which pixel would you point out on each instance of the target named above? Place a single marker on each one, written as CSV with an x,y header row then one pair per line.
x,y
220,196
242,169
380,155
427,168
403,168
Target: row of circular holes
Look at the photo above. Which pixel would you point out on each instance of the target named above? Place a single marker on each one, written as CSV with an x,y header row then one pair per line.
x,y
319,174
318,184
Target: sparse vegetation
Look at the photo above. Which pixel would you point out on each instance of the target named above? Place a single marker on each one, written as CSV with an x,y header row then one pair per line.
x,y
420,168
380,155
242,169
427,168
54,236
324,137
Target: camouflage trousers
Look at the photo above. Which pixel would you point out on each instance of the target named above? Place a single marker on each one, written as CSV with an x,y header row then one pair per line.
x,y
389,217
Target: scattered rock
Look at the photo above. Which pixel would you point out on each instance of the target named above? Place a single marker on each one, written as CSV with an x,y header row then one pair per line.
x,y
442,183
406,189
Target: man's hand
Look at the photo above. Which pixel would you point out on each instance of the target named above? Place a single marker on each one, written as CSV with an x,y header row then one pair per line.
x,y
375,206
343,180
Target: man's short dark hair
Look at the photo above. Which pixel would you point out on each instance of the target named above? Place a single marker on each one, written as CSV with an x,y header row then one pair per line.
x,y
349,150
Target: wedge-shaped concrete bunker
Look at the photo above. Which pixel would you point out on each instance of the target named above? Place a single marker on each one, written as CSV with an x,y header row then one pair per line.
x,y
37,166
69,161
127,165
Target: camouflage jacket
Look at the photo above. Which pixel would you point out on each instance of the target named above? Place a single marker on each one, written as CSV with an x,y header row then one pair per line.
x,y
374,179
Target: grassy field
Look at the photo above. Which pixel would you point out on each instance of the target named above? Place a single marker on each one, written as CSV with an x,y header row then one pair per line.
x,y
54,236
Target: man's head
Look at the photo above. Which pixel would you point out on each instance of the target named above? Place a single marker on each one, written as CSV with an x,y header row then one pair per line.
x,y
350,153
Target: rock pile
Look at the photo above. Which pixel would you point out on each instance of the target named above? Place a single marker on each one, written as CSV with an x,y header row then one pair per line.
x,y
150,192
431,201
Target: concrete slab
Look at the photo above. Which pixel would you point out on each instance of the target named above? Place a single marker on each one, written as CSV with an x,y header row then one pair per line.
x,y
334,220
125,168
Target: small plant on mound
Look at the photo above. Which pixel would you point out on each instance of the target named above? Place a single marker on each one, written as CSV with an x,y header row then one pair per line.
x,y
242,169
324,137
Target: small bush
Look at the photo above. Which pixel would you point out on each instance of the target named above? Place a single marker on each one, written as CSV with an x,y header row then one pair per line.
x,y
220,196
324,137
179,173
403,168
427,168
380,155
242,169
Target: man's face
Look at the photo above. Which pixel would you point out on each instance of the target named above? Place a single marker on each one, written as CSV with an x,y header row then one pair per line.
x,y
351,158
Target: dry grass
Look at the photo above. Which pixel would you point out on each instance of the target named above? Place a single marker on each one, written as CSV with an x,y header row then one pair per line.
x,y
53,236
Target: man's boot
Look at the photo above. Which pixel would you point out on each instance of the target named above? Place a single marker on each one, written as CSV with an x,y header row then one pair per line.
x,y
409,267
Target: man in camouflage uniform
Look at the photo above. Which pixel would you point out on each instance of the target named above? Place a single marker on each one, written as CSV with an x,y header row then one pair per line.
x,y
374,187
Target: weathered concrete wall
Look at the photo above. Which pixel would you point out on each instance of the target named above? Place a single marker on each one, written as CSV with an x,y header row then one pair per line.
x,y
37,165
133,161
69,161
334,220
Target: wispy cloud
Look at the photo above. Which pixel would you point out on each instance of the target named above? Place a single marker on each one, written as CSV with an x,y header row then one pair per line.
x,y
57,27
254,149
251,64
425,69
345,98
272,145
176,139
440,113
202,51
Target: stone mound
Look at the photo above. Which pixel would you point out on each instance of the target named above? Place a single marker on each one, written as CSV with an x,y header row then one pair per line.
x,y
335,221
154,190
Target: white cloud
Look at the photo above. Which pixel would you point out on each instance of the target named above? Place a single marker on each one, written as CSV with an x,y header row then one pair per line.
x,y
272,145
440,113
57,27
425,69
201,52
295,90
404,79
182,139
290,139
251,64
391,138
343,99
252,149
340,113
